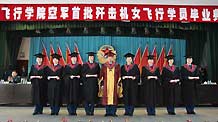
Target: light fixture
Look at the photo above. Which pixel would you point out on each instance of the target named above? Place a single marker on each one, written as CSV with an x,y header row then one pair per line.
x,y
37,31
157,31
171,32
102,30
118,31
133,31
68,31
51,31
85,30
147,32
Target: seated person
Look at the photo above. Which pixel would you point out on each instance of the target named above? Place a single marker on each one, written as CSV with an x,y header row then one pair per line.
x,y
14,78
8,72
6,75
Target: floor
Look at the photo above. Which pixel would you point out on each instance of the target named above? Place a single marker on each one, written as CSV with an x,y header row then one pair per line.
x,y
24,114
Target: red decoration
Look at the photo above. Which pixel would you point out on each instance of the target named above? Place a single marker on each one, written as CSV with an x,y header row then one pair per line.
x,y
108,12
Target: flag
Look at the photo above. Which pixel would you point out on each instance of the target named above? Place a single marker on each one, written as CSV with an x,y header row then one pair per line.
x,y
51,52
79,58
154,53
170,52
61,61
144,60
45,59
68,58
161,62
137,57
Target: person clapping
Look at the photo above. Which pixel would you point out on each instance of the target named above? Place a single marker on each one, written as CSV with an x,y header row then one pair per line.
x,y
14,78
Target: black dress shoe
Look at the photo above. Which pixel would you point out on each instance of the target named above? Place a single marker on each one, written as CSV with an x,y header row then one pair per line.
x,y
107,115
89,114
35,113
56,113
151,114
172,113
73,114
40,112
114,115
193,112
52,113
130,115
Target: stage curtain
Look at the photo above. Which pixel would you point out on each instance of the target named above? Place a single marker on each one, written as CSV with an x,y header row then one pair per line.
x,y
121,44
195,44
202,45
3,51
212,38
13,45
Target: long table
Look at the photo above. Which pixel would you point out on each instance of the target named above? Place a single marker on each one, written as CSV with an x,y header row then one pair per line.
x,y
20,94
208,94
17,94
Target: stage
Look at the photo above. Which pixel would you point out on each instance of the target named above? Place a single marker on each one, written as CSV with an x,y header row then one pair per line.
x,y
24,114
20,94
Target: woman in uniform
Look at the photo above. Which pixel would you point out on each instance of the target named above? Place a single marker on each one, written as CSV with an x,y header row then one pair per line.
x,y
130,76
54,75
171,79
72,74
39,84
150,80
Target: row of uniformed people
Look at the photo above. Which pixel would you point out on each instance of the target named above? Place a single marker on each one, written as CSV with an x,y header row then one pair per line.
x,y
54,82
110,74
171,77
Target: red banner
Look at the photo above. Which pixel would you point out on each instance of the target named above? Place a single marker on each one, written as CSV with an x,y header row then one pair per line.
x,y
107,12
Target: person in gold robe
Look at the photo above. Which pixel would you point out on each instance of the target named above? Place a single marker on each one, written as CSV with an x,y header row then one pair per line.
x,y
110,77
